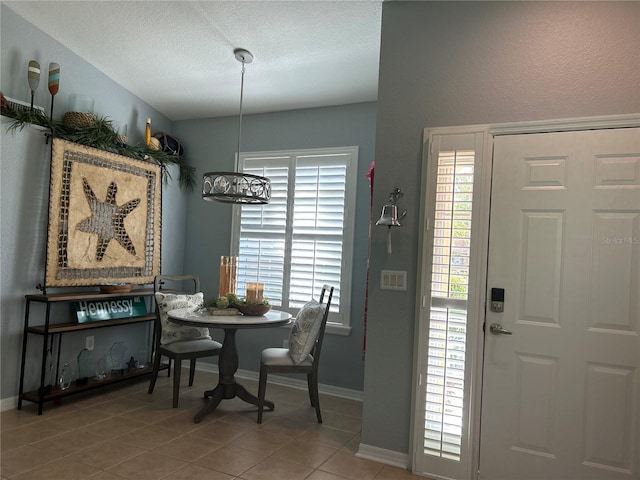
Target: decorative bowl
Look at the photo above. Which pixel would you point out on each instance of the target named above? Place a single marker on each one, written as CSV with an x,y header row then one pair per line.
x,y
253,310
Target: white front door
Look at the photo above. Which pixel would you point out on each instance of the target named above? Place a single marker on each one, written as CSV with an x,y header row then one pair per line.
x,y
561,394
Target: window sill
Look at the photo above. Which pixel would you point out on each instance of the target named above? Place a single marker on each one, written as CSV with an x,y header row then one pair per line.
x,y
332,329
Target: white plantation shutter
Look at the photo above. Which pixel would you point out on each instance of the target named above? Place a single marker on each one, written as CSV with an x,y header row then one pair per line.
x,y
448,318
303,238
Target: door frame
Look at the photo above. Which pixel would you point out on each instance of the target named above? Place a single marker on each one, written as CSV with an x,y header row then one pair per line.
x,y
476,306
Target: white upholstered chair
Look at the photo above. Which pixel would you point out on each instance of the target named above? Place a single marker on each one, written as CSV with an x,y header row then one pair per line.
x,y
303,354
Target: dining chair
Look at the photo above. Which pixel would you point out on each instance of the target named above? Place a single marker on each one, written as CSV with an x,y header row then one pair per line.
x,y
303,354
178,342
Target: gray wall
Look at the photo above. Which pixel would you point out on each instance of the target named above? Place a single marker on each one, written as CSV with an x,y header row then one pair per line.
x,y
212,145
461,63
24,188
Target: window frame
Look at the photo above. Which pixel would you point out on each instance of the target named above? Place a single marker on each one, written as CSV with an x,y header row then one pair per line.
x,y
338,322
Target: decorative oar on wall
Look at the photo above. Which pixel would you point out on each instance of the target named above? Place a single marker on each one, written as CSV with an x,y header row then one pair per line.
x,y
33,77
54,82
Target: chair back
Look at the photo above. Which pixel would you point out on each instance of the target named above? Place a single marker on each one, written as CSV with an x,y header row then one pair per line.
x,y
327,291
177,285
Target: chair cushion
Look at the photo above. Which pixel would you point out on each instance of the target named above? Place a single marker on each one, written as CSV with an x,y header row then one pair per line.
x,y
190,346
281,358
305,330
172,332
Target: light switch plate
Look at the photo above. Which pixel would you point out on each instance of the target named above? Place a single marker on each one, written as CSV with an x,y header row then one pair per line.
x,y
393,280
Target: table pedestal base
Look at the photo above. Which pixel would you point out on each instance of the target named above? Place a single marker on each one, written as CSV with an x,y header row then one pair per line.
x,y
227,387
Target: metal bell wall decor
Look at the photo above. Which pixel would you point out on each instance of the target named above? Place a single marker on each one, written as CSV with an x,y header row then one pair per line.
x,y
389,216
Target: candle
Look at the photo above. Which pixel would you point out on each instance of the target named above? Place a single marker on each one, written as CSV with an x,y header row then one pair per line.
x,y
255,292
228,275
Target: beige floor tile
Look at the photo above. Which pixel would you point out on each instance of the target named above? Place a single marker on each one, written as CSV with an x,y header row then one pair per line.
x,y
329,437
148,466
232,461
22,459
18,418
107,476
196,472
68,442
352,467
259,441
394,473
306,453
272,469
62,469
81,417
187,447
149,437
120,405
113,427
320,475
30,433
123,433
343,406
341,422
183,422
221,431
107,454
285,426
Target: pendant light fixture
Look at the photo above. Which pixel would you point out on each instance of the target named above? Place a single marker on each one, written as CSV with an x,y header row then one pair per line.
x,y
237,187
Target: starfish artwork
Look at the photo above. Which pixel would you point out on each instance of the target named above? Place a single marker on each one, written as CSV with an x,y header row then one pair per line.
x,y
107,219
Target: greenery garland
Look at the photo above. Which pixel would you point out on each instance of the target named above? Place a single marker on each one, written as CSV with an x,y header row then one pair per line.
x,y
101,135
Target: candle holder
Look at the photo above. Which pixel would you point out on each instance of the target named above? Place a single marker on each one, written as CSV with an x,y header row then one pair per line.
x,y
228,275
255,292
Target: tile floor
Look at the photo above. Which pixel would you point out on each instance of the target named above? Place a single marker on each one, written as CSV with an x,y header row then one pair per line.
x,y
121,432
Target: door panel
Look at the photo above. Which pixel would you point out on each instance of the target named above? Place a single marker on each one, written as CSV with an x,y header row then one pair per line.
x,y
560,395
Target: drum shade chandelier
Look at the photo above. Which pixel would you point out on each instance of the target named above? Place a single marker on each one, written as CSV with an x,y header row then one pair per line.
x,y
237,187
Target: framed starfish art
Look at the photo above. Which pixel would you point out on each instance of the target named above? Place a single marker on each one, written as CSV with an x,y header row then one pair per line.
x,y
104,218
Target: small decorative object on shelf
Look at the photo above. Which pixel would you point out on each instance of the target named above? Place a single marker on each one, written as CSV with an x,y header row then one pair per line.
x,y
64,381
54,82
84,367
147,133
117,353
101,369
132,364
80,114
33,77
169,144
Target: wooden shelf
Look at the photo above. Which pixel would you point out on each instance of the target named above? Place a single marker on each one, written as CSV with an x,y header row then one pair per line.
x,y
78,296
92,383
48,330
73,326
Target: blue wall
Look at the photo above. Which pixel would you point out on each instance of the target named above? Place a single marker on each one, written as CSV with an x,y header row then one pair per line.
x,y
211,145
24,188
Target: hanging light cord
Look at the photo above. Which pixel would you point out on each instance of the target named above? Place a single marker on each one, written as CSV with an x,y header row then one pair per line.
x,y
240,116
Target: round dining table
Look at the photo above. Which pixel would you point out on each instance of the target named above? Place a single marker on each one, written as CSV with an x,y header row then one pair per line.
x,y
227,387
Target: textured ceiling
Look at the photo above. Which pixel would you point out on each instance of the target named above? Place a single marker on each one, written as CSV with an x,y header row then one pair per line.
x,y
178,55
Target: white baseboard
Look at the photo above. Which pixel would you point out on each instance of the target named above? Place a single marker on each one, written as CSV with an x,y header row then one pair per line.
x,y
12,402
8,403
289,382
382,455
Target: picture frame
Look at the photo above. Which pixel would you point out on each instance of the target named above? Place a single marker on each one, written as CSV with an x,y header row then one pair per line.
x,y
105,214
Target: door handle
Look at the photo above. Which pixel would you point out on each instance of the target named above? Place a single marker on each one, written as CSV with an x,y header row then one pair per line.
x,y
497,329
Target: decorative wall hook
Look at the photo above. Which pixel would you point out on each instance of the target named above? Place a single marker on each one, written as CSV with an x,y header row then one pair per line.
x,y
389,216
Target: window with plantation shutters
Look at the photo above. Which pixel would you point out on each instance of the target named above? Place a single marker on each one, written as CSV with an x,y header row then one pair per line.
x,y
303,238
448,316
